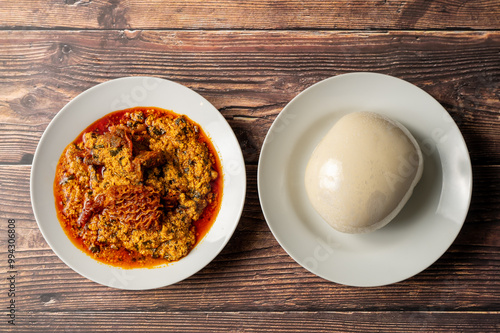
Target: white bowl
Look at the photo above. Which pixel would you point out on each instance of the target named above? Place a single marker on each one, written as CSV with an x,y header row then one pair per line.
x,y
120,94
420,233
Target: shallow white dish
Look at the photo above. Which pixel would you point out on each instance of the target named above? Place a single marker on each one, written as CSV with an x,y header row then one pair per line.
x,y
422,231
121,94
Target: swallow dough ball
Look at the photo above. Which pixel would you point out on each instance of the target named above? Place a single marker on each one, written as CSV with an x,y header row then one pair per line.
x,y
363,172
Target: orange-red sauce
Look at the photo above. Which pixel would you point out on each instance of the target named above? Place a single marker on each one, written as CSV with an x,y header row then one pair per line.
x,y
122,257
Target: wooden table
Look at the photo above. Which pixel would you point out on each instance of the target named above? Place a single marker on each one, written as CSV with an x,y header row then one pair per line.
x,y
249,59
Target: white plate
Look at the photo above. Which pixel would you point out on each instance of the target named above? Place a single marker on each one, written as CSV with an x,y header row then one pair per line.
x,y
121,94
423,230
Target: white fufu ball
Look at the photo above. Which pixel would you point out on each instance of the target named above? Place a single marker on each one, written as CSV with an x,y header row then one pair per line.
x,y
363,172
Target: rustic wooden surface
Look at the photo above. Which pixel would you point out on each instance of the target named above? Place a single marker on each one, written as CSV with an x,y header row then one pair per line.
x,y
249,59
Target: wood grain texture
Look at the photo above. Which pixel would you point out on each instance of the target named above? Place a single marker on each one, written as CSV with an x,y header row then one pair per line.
x,y
247,321
248,75
249,59
253,273
252,14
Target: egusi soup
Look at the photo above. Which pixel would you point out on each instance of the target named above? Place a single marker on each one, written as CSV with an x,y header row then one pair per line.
x,y
139,187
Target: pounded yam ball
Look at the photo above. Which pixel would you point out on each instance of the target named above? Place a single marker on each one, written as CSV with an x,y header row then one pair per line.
x,y
363,172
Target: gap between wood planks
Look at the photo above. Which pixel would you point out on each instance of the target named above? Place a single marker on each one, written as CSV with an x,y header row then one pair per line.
x,y
312,29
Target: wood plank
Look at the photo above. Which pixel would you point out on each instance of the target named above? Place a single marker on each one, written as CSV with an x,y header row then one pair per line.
x,y
252,14
248,75
247,321
249,58
253,273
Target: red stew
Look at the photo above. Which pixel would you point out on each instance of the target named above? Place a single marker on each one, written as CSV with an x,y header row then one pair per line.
x,y
139,187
